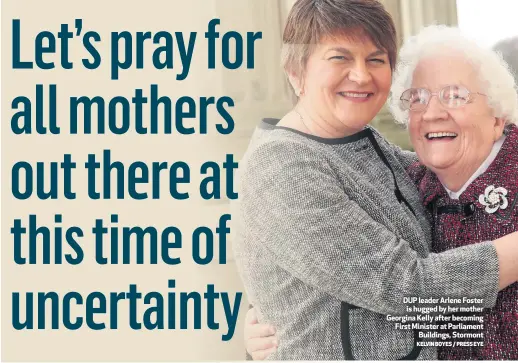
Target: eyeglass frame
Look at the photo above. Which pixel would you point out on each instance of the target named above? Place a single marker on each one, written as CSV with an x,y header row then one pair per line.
x,y
438,96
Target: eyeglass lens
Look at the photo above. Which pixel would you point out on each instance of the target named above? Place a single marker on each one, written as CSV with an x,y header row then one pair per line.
x,y
450,96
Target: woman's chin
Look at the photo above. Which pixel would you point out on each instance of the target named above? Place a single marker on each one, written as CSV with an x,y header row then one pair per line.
x,y
438,165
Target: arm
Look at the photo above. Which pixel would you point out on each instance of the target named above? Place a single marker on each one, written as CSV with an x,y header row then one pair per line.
x,y
405,157
302,217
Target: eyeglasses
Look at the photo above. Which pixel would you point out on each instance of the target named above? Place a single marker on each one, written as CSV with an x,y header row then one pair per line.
x,y
417,99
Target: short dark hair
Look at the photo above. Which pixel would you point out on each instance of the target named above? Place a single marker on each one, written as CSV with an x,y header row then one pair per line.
x,y
311,20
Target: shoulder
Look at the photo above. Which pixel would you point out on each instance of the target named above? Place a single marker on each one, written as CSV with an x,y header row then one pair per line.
x,y
286,168
511,132
279,152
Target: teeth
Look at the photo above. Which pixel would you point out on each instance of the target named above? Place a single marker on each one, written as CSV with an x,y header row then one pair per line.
x,y
358,95
432,135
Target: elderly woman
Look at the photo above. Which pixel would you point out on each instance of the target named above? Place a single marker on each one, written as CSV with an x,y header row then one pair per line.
x,y
331,233
461,106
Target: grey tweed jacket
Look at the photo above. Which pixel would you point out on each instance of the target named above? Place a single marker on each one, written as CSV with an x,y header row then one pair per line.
x,y
331,235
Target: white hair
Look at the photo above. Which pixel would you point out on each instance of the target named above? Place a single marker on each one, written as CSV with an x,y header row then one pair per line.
x,y
493,71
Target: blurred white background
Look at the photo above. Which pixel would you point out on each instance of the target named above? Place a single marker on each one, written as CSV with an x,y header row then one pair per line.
x,y
488,21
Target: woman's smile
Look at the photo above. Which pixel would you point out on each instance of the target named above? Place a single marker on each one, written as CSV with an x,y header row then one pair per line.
x,y
357,97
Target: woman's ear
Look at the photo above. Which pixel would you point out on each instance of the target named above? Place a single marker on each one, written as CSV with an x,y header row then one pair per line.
x,y
297,83
498,127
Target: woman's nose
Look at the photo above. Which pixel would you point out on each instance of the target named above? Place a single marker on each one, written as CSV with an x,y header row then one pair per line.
x,y
360,75
435,110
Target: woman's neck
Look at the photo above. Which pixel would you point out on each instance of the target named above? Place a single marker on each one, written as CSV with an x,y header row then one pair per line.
x,y
454,180
455,177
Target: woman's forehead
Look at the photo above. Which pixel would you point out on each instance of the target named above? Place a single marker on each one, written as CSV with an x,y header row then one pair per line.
x,y
360,43
445,70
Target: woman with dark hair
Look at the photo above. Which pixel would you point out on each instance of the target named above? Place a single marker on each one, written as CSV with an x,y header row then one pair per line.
x,y
331,234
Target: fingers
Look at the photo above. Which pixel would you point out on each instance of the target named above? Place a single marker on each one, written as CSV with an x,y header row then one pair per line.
x,y
258,331
255,345
260,339
251,317
263,354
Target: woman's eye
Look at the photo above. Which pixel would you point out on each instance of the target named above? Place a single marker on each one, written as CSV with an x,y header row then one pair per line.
x,y
457,97
377,60
337,57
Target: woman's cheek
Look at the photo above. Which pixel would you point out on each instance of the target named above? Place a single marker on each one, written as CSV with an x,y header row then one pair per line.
x,y
413,128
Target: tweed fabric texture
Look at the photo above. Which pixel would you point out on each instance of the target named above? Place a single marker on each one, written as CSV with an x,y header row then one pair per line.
x,y
453,230
318,223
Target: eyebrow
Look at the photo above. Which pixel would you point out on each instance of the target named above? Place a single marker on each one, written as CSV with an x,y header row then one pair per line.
x,y
348,52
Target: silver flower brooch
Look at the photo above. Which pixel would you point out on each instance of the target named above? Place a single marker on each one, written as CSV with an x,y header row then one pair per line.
x,y
493,199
